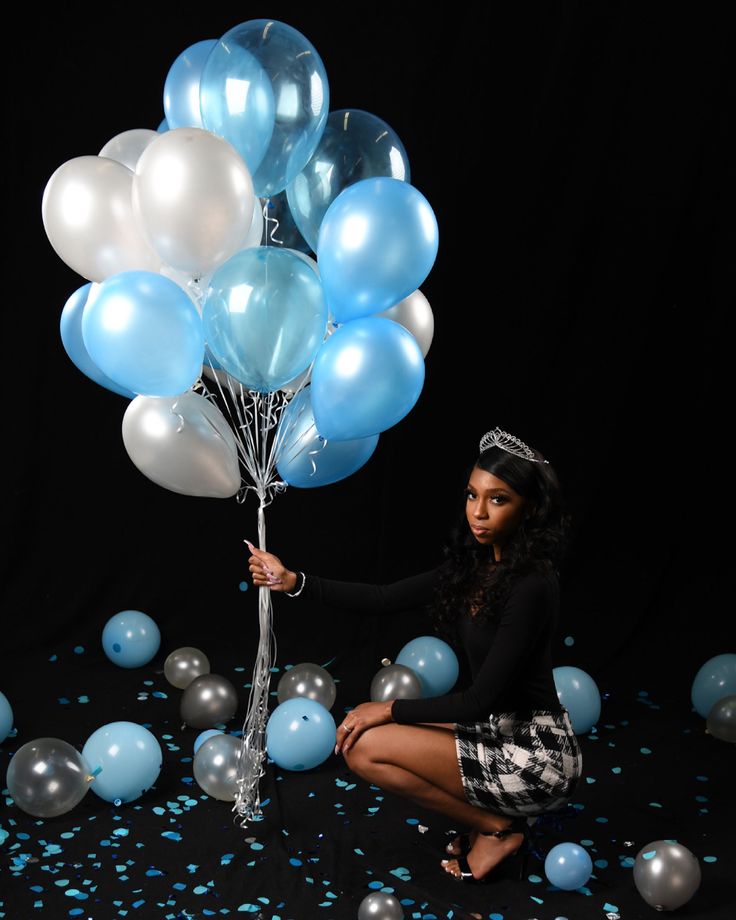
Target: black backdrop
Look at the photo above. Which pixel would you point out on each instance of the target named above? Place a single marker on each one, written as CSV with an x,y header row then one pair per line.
x,y
579,160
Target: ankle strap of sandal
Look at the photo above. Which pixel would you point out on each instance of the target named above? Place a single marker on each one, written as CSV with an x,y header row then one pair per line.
x,y
517,826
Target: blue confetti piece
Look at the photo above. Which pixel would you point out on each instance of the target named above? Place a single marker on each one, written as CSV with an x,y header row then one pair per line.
x,y
78,649
589,779
296,862
584,890
54,658
615,769
536,879
402,873
200,889
180,886
650,854
537,900
83,699
256,846
702,779
627,862
375,885
412,821
600,863
645,750
138,903
602,820
611,908
655,805
569,641
243,585
171,835
160,695
710,859
64,701
358,851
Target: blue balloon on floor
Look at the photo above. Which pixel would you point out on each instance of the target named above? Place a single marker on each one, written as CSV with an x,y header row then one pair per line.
x,y
300,734
6,717
131,638
715,680
579,694
130,759
568,866
433,661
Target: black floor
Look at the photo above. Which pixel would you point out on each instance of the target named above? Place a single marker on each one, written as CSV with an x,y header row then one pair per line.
x,y
328,839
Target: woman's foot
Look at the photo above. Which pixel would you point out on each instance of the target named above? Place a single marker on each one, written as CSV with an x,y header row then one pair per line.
x,y
462,844
485,854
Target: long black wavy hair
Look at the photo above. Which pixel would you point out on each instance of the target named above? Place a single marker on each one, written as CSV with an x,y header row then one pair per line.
x,y
540,542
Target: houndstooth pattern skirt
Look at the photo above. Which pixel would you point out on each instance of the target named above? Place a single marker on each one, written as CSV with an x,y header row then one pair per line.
x,y
519,766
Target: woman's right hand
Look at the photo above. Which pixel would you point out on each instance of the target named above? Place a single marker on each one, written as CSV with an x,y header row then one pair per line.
x,y
269,571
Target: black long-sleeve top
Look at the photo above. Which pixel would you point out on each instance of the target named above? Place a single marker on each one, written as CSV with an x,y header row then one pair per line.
x,y
510,657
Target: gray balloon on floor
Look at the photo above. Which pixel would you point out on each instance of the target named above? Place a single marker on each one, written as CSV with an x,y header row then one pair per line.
x,y
309,680
216,766
721,721
395,682
380,906
209,699
666,874
184,664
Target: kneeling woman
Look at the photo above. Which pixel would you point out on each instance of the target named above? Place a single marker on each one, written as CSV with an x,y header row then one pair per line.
x,y
502,750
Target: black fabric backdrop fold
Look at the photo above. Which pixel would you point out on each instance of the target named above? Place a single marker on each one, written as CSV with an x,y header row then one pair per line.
x,y
579,161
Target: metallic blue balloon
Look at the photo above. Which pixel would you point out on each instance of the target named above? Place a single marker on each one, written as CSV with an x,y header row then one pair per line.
x,y
264,88
355,145
130,757
377,243
433,661
145,333
70,327
264,316
303,457
366,377
300,734
181,89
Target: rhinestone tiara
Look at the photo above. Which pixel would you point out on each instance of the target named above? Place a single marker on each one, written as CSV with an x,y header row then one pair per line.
x,y
509,443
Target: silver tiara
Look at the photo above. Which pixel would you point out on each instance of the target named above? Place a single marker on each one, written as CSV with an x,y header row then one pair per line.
x,y
507,442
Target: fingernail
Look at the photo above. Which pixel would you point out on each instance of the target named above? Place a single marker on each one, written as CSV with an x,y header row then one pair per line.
x,y
336,750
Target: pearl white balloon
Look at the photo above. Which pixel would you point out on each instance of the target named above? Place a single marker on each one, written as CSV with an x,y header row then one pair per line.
x,y
415,314
193,198
88,216
182,443
127,147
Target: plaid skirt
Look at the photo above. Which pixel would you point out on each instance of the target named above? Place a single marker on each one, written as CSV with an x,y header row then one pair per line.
x,y
516,765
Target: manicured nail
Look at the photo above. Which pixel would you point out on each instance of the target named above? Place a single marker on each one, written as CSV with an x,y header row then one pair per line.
x,y
336,750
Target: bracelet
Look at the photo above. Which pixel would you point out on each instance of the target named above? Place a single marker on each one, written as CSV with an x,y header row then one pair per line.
x,y
301,588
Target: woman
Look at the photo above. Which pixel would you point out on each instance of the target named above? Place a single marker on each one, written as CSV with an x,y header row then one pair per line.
x,y
502,749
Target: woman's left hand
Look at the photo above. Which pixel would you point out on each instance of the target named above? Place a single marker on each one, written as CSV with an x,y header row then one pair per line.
x,y
364,716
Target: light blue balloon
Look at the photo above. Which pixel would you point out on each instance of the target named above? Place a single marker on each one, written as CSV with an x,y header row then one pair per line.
x,y
579,694
131,638
355,145
303,457
377,243
203,736
70,326
6,717
130,757
433,661
264,316
568,866
366,377
264,89
144,332
181,89
300,734
715,680
163,126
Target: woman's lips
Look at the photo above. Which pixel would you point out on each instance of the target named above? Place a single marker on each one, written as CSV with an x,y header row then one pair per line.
x,y
479,531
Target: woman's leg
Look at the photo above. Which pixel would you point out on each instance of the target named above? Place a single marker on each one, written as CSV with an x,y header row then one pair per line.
x,y
419,762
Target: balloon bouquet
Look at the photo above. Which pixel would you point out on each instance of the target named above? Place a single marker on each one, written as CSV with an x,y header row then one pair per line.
x,y
248,367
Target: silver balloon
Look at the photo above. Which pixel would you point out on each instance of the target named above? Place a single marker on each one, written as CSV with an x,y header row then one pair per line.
x,y
88,216
666,874
380,906
182,443
395,682
184,664
193,198
309,680
127,147
415,314
48,777
216,766
721,720
207,700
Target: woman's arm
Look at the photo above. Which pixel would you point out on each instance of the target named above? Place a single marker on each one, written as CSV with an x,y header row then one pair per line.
x,y
527,610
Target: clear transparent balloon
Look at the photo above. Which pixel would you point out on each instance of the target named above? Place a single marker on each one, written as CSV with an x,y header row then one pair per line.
x,y
47,777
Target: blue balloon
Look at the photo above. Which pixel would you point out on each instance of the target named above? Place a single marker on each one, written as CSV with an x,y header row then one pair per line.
x,y
300,734
568,866
6,717
203,736
579,694
265,90
264,316
433,661
377,243
181,89
70,326
131,638
355,145
303,457
163,126
144,332
366,377
130,759
715,680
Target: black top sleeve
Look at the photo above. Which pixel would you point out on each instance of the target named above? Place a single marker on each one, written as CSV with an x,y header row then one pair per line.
x,y
374,600
524,617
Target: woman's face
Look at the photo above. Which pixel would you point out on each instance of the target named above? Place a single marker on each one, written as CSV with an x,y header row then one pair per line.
x,y
494,510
